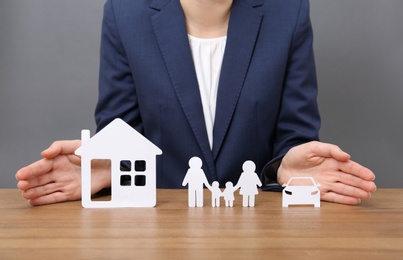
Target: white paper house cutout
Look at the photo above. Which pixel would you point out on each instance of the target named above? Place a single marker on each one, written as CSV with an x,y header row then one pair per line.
x,y
119,142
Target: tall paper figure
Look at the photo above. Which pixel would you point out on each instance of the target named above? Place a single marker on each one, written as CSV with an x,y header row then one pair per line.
x,y
195,178
248,182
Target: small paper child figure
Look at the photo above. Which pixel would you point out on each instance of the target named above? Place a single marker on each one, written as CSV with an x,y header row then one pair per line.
x,y
247,182
215,194
228,194
195,178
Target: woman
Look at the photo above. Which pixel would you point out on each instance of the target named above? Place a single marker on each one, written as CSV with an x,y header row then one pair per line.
x,y
226,81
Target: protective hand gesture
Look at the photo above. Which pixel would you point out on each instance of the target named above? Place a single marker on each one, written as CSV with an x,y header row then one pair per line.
x,y
342,180
57,177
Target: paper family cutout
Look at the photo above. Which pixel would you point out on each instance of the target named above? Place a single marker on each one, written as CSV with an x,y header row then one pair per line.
x,y
195,178
132,160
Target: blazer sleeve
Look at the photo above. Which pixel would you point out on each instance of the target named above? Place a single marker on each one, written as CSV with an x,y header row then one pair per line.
x,y
298,120
117,93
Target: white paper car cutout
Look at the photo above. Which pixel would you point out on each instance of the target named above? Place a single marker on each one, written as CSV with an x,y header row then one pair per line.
x,y
301,191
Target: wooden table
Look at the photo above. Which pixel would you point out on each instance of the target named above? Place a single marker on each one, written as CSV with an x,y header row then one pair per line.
x,y
171,230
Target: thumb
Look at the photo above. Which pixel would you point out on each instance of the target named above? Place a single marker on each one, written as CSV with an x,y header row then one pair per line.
x,y
61,147
329,151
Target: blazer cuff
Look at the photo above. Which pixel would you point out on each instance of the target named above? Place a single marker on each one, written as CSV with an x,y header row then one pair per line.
x,y
270,176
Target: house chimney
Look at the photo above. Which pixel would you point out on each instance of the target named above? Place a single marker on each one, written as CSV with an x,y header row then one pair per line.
x,y
85,136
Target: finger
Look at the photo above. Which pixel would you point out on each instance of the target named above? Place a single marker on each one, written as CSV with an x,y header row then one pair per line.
x,y
48,199
356,181
328,151
338,198
38,181
358,170
35,169
350,191
349,173
61,147
23,185
41,191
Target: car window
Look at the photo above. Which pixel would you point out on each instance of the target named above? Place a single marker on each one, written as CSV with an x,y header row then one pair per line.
x,y
301,182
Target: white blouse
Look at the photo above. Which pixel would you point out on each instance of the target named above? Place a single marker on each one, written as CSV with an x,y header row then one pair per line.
x,y
207,57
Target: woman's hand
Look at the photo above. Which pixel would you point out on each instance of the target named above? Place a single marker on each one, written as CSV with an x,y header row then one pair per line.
x,y
57,177
341,179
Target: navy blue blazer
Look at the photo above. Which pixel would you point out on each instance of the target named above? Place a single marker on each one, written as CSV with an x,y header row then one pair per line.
x,y
267,91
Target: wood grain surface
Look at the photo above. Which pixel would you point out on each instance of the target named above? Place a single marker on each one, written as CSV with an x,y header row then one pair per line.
x,y
171,230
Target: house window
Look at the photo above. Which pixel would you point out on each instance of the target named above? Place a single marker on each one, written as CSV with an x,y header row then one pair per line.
x,y
125,166
140,166
104,164
127,169
140,180
125,180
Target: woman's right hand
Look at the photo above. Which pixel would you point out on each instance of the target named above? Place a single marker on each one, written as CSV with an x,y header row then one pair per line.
x,y
57,177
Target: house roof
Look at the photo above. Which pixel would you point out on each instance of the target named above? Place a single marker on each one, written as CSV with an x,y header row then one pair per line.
x,y
118,139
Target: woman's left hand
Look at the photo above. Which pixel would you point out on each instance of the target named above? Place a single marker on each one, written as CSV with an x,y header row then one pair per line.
x,y
341,179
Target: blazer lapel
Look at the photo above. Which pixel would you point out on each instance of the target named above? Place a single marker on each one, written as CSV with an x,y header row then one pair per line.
x,y
243,30
170,30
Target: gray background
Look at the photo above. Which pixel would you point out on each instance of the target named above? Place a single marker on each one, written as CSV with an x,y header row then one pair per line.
x,y
49,57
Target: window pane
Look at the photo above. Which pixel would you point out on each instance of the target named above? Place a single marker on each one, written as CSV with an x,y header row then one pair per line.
x,y
140,166
125,180
125,166
140,180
